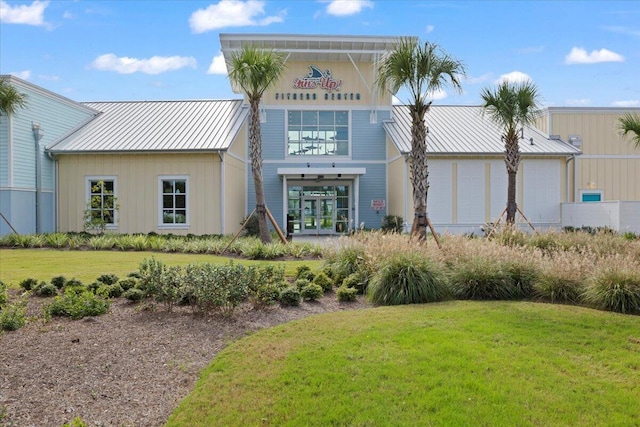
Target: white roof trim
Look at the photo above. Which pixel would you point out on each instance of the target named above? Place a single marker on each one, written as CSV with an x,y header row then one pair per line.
x,y
321,171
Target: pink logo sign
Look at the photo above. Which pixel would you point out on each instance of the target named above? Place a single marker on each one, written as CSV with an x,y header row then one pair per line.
x,y
317,79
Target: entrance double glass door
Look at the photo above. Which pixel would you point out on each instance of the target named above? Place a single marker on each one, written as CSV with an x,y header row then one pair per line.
x,y
318,209
318,214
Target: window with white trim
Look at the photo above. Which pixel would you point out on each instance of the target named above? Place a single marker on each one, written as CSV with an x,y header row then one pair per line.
x,y
101,200
317,133
174,201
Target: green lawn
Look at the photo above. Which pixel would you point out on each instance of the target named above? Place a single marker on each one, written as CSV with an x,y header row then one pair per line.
x,y
43,264
448,364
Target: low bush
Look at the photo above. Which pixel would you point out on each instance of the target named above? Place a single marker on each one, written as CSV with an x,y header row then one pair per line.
x,y
3,294
74,286
346,294
28,284
615,290
77,305
108,279
133,294
311,292
290,296
110,291
301,272
301,283
357,281
322,280
127,283
392,224
59,281
44,289
13,316
408,278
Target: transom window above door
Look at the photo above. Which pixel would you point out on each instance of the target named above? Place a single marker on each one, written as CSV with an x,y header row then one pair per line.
x,y
318,133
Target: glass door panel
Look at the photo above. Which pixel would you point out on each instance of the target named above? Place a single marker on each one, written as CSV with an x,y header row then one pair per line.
x,y
326,212
310,215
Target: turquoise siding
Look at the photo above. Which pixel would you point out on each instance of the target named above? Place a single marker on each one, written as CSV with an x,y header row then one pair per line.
x,y
18,206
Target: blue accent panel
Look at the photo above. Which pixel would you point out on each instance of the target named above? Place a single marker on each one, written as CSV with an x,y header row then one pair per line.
x,y
273,136
19,208
47,212
4,152
56,118
368,141
591,197
373,186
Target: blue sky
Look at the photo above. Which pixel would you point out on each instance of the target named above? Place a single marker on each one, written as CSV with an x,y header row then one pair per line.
x,y
579,53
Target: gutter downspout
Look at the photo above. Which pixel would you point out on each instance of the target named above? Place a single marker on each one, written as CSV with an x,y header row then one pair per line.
x,y
37,136
222,193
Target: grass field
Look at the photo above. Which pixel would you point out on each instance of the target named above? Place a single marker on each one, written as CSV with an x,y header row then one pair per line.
x,y
43,264
445,364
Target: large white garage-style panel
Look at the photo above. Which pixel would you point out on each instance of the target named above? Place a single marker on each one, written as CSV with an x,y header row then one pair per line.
x,y
541,195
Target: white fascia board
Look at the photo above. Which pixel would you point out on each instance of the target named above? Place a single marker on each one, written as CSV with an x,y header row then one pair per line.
x,y
321,171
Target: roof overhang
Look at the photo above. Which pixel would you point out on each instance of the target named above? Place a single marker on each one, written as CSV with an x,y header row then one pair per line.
x,y
321,173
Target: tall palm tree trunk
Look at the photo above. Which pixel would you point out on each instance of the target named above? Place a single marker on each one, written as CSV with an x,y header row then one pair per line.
x,y
255,148
419,172
512,161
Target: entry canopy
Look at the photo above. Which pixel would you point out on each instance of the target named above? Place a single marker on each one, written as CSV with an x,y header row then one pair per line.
x,y
325,172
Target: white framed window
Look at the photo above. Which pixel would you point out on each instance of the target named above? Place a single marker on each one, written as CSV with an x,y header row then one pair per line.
x,y
101,201
173,201
591,195
317,133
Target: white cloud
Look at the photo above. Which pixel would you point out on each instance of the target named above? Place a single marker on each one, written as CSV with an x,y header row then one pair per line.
x,y
68,15
32,14
437,94
429,29
347,7
24,75
627,103
479,79
623,30
153,65
218,66
578,102
579,55
514,77
530,50
48,77
232,13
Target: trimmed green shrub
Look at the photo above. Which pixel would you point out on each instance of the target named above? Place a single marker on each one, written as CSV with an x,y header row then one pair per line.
x,y
557,289
408,278
482,279
28,284
113,291
94,286
74,286
135,275
133,294
346,294
302,269
44,289
356,280
290,296
392,224
108,279
265,284
76,422
301,283
267,293
323,281
311,292
3,294
59,281
127,283
77,305
13,316
615,290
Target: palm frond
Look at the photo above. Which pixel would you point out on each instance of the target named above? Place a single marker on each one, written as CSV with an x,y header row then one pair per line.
x,y
255,70
10,98
630,124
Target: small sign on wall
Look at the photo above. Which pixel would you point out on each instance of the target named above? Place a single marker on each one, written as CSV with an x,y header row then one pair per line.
x,y
378,204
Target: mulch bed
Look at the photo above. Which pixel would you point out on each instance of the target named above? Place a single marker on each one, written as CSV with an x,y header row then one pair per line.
x,y
129,367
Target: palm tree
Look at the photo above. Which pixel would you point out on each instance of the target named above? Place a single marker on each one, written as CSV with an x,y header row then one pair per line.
x,y
10,99
422,69
255,70
512,106
630,123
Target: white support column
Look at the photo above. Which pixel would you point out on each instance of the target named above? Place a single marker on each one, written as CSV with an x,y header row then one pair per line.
x,y
356,203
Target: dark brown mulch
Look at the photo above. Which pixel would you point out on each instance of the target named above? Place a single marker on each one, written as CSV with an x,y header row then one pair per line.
x,y
130,367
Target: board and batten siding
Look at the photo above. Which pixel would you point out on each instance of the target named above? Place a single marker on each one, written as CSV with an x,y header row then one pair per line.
x,y
137,178
368,139
235,183
610,162
397,177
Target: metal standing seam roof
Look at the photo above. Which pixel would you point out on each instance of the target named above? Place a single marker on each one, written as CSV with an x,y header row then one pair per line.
x,y
464,130
153,126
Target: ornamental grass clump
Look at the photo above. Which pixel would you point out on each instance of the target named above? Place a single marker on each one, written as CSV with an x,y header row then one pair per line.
x,y
345,260
615,288
482,279
408,278
563,277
